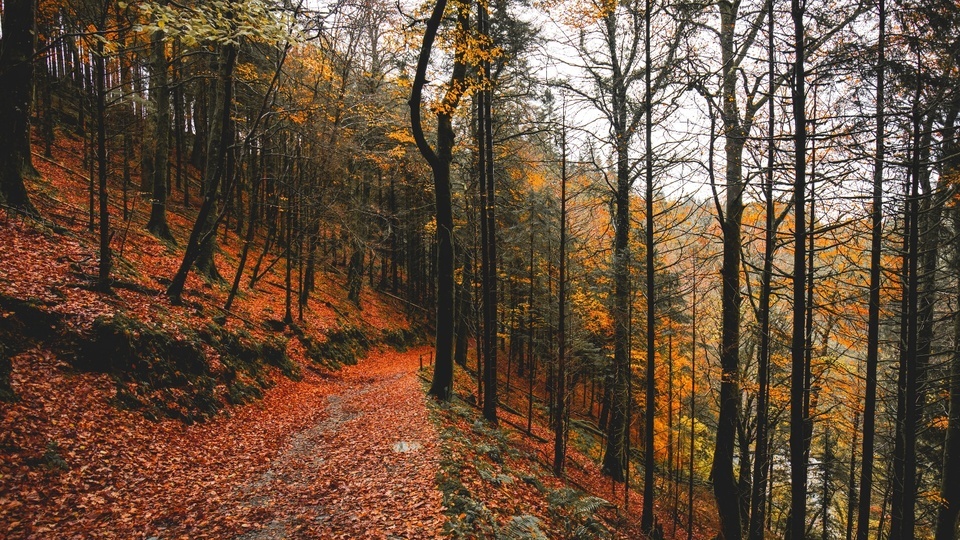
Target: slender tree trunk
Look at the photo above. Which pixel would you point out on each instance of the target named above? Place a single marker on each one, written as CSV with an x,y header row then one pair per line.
x,y
724,482
761,457
464,309
439,161
251,230
106,260
647,518
673,467
852,484
948,510
287,254
178,119
160,95
873,317
215,172
903,513
826,494
202,232
693,407
488,240
559,441
798,420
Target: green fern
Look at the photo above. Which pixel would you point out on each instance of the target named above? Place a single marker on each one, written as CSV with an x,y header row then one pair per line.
x,y
577,511
524,527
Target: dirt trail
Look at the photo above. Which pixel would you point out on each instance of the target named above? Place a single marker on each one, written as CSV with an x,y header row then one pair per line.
x,y
350,454
367,470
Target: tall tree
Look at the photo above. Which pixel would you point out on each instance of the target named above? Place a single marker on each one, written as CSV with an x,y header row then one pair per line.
x,y
948,512
560,431
17,45
439,161
160,96
873,316
488,228
100,83
904,488
798,391
737,125
761,453
647,519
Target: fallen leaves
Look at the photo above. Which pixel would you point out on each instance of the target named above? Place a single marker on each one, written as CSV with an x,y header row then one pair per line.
x,y
314,460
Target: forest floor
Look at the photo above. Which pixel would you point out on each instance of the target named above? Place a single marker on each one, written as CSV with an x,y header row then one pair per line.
x,y
350,454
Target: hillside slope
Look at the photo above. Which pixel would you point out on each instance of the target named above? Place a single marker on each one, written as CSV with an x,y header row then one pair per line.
x,y
94,375
135,418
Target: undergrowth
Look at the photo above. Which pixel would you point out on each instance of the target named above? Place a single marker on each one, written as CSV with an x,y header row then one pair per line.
x,y
493,490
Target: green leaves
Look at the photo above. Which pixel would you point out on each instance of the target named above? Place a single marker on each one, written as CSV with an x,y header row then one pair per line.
x,y
221,22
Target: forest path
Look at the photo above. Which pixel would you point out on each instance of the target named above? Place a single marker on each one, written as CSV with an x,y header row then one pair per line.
x,y
346,454
366,470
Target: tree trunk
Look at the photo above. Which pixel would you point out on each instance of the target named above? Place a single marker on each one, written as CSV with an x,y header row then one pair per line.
x,y
903,509
873,317
488,238
202,232
355,274
16,96
215,172
103,278
693,404
852,483
251,230
464,309
160,95
560,431
439,161
725,488
761,452
798,419
948,511
647,519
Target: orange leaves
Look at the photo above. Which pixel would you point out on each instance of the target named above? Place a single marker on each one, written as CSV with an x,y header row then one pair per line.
x,y
314,460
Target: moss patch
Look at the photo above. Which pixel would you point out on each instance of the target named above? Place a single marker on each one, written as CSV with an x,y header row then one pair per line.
x,y
342,347
167,373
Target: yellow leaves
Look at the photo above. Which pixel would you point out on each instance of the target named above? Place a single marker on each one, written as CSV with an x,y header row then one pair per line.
x,y
430,227
537,179
299,117
403,136
940,422
596,316
246,71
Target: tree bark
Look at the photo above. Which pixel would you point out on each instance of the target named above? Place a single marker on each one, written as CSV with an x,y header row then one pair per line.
x,y
106,259
948,511
647,518
16,98
160,95
873,315
488,237
202,232
560,432
725,487
439,161
798,419
761,452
